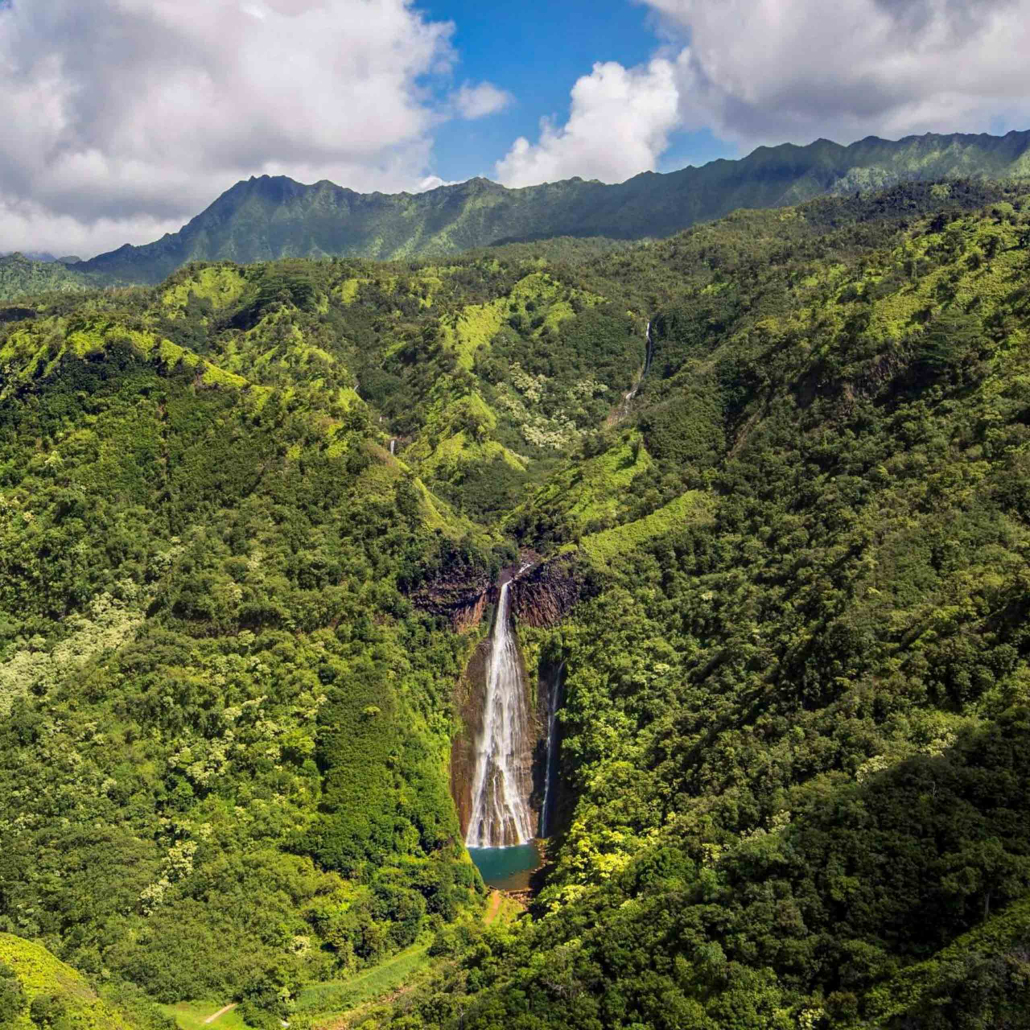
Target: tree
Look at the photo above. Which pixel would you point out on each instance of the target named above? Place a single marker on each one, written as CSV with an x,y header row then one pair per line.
x,y
12,996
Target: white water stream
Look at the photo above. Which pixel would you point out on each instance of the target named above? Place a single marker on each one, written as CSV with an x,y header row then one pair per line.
x,y
500,814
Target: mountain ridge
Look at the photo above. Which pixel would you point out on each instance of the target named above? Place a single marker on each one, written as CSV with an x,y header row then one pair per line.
x,y
270,217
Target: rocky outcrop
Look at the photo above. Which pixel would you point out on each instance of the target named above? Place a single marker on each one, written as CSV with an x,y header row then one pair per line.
x,y
543,596
462,602
470,700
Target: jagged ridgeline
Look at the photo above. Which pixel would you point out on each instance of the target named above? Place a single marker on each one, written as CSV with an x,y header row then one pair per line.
x,y
250,524
267,218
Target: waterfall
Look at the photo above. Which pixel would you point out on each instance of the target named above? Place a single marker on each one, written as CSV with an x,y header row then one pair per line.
x,y
393,446
648,354
551,773
500,788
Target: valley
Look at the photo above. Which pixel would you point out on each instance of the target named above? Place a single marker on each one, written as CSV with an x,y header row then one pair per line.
x,y
702,558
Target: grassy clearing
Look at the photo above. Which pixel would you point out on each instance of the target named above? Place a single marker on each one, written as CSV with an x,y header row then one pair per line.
x,y
190,1015
691,507
336,998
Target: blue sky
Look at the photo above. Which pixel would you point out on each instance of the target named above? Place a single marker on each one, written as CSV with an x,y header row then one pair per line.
x,y
536,50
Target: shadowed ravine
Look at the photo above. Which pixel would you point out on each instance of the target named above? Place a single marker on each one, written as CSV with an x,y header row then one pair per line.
x,y
502,779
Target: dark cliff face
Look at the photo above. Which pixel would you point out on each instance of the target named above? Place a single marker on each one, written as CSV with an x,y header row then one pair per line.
x,y
543,597
470,700
463,602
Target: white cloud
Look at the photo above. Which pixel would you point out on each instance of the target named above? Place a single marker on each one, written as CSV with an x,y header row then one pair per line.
x,y
619,125
773,71
763,71
480,100
123,118
434,182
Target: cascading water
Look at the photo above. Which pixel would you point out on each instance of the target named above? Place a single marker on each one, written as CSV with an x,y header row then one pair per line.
x,y
502,781
551,774
648,355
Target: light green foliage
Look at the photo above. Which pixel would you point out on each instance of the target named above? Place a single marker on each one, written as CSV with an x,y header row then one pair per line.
x,y
104,627
692,508
220,286
43,976
596,491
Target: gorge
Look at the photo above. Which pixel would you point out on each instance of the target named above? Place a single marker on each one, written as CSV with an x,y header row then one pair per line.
x,y
749,650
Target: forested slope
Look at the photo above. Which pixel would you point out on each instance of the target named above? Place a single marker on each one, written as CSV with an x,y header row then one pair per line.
x,y
794,740
20,275
796,723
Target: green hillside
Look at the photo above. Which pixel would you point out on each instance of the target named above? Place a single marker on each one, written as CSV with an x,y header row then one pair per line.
x,y
238,510
20,276
269,218
36,990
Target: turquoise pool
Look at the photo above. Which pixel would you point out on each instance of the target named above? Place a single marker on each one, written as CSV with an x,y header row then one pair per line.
x,y
507,868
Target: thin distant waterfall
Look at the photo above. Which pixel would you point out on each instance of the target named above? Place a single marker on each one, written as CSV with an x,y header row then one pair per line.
x,y
553,704
500,813
648,355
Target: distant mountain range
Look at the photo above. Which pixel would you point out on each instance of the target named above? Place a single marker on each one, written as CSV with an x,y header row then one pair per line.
x,y
273,217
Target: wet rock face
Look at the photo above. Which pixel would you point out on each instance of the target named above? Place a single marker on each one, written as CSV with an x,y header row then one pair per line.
x,y
471,700
543,597
462,602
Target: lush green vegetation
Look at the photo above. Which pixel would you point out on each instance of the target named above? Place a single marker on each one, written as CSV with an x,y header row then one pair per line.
x,y
795,733
268,218
20,276
37,992
796,728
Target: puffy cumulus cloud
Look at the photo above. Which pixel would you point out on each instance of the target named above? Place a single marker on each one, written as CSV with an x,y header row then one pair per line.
x,y
434,182
774,70
122,118
481,100
619,124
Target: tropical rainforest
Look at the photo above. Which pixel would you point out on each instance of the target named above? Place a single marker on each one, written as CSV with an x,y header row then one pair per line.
x,y
782,462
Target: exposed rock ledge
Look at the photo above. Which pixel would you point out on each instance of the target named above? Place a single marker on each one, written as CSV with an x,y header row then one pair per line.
x,y
543,597
462,603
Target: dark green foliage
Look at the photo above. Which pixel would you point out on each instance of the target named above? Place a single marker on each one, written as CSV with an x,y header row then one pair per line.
x,y
46,1010
795,733
12,996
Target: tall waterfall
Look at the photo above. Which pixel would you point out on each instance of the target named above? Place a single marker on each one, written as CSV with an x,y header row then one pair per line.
x,y
501,785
